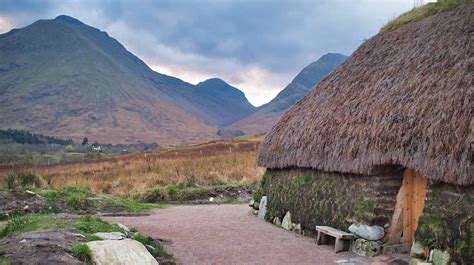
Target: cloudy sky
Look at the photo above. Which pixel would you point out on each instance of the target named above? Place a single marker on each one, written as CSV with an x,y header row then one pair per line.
x,y
255,45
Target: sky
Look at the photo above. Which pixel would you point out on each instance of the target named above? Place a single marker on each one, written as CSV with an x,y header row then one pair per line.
x,y
258,46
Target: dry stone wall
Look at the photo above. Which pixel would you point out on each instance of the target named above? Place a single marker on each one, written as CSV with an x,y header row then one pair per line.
x,y
334,199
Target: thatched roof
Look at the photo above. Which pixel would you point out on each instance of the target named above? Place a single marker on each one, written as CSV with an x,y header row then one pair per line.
x,y
405,97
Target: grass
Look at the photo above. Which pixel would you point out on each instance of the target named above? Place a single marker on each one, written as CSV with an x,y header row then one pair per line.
x,y
22,224
89,225
214,163
155,249
82,200
421,12
82,252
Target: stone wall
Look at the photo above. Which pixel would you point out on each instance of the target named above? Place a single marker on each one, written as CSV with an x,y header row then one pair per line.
x,y
334,199
446,222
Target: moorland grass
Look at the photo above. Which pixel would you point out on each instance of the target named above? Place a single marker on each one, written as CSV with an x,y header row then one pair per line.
x,y
421,12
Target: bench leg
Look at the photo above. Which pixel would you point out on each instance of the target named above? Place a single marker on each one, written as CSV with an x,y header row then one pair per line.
x,y
338,247
342,245
322,238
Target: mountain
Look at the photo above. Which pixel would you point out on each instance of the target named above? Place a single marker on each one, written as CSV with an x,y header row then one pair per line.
x,y
238,107
268,114
64,78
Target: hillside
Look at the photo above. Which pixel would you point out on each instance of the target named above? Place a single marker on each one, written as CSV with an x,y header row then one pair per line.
x,y
268,114
61,77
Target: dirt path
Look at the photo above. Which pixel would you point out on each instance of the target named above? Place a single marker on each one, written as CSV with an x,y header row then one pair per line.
x,y
229,234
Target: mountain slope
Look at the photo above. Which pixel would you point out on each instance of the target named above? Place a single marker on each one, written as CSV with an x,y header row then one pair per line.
x,y
64,78
238,107
268,114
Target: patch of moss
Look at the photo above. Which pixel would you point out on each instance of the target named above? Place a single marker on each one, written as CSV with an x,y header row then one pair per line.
x,y
363,207
418,13
82,252
259,191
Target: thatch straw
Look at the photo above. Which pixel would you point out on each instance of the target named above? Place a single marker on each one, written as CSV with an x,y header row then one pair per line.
x,y
405,97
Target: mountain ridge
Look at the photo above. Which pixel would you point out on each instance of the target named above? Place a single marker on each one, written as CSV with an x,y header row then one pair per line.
x,y
268,114
65,78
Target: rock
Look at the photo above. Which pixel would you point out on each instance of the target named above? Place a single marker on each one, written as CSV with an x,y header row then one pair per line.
x,y
262,210
439,257
276,221
127,251
297,228
367,232
417,251
365,248
251,203
255,212
23,241
286,223
30,192
110,235
419,262
123,227
256,205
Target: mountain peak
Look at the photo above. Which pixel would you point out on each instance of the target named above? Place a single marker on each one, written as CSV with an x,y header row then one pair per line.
x,y
69,20
214,81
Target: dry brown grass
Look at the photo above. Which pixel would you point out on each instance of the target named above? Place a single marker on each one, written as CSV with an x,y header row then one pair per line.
x,y
219,162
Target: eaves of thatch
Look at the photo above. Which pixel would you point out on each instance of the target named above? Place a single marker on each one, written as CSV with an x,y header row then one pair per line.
x,y
405,97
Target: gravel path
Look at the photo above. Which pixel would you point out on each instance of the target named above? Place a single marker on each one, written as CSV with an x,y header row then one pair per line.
x,y
229,234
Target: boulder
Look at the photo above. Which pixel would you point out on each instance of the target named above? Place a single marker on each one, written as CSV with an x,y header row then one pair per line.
x,y
439,257
110,235
256,205
417,250
262,210
251,203
365,248
286,223
276,221
367,232
127,251
297,228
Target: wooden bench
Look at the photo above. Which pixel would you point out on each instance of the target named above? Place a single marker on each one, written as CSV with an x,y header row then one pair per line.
x,y
343,239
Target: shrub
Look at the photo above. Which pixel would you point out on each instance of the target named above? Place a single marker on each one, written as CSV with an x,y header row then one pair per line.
x,y
82,252
23,180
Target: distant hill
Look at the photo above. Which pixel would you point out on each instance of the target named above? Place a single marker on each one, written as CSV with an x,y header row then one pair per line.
x,y
305,81
64,78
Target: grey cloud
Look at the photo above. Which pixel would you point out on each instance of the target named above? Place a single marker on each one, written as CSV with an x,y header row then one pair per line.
x,y
223,37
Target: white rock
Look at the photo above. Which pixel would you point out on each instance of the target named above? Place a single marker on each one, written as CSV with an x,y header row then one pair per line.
x,y
251,203
110,235
286,223
23,241
211,199
125,252
262,209
367,232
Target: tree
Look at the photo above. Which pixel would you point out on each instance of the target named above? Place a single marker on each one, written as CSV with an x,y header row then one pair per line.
x,y
85,141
